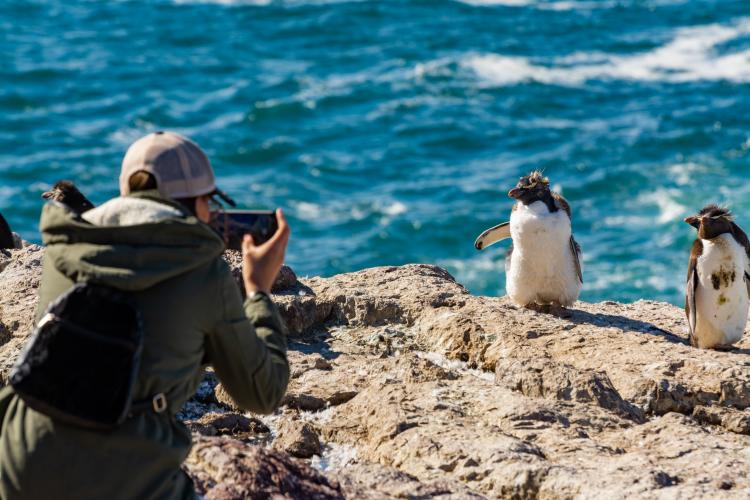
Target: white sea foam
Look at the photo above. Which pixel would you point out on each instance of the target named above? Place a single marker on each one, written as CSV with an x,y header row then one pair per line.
x,y
669,209
631,221
560,5
224,2
563,5
307,210
690,56
342,211
656,278
486,266
342,85
685,174
394,209
542,5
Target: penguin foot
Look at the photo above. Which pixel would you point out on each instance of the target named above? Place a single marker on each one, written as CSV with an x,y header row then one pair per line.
x,y
560,311
540,308
552,309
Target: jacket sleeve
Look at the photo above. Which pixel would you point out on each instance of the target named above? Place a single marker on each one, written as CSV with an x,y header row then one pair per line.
x,y
248,349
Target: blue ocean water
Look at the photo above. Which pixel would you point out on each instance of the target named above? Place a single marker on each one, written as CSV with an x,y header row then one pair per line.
x,y
390,130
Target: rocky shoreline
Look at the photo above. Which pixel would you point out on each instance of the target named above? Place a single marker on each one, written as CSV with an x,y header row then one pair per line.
x,y
405,385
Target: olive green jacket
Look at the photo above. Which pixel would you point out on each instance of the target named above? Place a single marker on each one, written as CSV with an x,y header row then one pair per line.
x,y
193,315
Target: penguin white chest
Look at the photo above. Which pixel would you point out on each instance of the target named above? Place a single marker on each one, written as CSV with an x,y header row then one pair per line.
x,y
721,300
541,268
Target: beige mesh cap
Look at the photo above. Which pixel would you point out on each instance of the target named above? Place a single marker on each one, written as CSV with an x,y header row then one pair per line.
x,y
180,166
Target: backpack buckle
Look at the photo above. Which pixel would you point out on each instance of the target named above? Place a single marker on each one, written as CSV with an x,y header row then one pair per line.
x,y
159,402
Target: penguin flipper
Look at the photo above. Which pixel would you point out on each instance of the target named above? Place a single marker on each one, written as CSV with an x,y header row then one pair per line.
x,y
508,257
493,235
6,235
741,238
575,249
692,286
562,204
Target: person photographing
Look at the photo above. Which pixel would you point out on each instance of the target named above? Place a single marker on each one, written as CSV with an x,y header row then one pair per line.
x,y
154,244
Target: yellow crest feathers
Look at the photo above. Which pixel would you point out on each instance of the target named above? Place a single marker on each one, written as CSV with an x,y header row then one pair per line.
x,y
534,178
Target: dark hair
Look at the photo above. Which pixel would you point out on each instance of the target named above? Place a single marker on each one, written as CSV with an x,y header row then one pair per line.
x,y
144,181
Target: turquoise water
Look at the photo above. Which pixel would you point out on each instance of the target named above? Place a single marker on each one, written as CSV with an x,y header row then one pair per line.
x,y
391,130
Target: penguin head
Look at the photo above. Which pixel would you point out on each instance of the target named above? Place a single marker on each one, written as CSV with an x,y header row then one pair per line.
x,y
531,188
59,190
66,192
711,221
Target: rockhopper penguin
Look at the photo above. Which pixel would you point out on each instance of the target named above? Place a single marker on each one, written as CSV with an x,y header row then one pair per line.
x,y
68,194
543,263
718,280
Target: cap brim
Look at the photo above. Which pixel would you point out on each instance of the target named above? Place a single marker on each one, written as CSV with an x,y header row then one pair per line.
x,y
224,196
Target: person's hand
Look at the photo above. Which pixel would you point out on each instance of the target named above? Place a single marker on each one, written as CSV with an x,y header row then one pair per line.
x,y
261,263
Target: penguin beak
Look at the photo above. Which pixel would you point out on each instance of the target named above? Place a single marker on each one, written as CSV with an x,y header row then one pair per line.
x,y
693,221
47,195
515,193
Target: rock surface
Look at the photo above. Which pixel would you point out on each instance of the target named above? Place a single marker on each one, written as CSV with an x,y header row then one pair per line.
x,y
228,424
286,279
226,469
299,439
415,388
20,271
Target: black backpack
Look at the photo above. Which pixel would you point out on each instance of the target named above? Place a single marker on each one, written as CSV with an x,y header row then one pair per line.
x,y
82,361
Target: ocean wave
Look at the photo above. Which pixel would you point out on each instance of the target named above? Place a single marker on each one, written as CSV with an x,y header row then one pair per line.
x,y
483,273
335,86
556,5
668,209
692,55
260,3
660,206
565,5
656,278
343,212
263,3
686,174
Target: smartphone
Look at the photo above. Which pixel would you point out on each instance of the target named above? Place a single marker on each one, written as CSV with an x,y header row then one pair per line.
x,y
233,225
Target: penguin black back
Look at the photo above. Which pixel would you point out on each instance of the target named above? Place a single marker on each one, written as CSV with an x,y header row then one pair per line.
x,y
68,194
6,235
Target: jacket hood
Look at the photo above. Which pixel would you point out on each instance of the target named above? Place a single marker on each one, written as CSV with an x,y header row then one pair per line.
x,y
130,243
